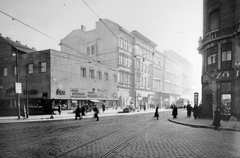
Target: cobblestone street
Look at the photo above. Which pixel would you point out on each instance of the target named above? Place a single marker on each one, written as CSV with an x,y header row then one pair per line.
x,y
116,136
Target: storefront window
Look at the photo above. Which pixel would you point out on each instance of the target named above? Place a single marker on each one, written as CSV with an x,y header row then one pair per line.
x,y
226,104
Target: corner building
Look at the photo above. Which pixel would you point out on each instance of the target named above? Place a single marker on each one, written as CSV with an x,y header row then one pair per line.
x,y
220,50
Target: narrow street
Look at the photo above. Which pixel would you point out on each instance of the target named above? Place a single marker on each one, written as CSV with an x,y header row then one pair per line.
x,y
116,136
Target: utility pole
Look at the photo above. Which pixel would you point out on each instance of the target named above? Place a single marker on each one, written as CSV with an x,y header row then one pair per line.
x,y
133,71
17,81
27,110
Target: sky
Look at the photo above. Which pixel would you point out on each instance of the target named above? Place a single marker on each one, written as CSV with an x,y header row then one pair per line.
x,y
171,24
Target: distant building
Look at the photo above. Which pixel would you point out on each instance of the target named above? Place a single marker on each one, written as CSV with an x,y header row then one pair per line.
x,y
220,47
189,76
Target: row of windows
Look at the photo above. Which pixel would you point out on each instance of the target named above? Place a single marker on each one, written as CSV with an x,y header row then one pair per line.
x,y
226,55
124,78
125,60
98,75
125,44
30,69
173,67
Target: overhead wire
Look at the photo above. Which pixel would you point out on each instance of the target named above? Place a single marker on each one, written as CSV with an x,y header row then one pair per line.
x,y
13,18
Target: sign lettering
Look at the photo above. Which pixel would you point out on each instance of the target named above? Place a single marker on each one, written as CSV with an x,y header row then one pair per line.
x,y
60,92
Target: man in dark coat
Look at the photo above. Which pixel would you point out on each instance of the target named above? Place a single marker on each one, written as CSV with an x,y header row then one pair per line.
x,y
217,119
96,111
175,111
195,111
77,113
156,113
189,110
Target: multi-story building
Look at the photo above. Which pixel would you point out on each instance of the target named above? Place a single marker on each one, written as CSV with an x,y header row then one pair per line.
x,y
220,48
144,71
172,80
188,77
113,46
51,75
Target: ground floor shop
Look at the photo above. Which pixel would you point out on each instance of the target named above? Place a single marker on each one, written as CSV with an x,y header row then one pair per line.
x,y
221,90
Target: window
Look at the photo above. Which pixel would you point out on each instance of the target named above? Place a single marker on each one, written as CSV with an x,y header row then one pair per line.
x,y
4,71
121,77
88,50
214,21
212,59
114,78
120,59
92,50
141,82
226,50
43,67
30,68
106,76
99,74
83,72
91,74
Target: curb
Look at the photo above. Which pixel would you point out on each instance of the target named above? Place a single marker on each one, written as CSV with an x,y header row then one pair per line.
x,y
203,126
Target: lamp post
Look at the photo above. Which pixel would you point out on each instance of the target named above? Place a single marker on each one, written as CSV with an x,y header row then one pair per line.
x,y
17,81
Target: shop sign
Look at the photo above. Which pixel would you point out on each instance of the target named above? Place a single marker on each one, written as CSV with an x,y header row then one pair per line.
x,y
114,95
92,95
221,75
78,93
60,92
31,91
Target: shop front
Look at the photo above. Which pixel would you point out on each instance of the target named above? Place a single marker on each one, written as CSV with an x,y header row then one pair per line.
x,y
145,99
219,91
124,97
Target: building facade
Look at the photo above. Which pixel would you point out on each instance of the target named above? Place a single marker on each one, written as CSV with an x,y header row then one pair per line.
x,y
219,48
49,77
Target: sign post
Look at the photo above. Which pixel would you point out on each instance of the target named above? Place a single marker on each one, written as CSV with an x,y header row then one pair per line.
x,y
196,98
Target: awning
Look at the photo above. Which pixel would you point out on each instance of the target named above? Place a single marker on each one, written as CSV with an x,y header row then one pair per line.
x,y
96,101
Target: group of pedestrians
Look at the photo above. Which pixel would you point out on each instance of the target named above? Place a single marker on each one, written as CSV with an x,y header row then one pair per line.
x,y
79,112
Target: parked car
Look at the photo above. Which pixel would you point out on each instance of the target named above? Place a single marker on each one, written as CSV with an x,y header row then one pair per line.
x,y
129,109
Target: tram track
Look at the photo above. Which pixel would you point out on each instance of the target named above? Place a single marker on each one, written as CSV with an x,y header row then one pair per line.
x,y
35,143
118,145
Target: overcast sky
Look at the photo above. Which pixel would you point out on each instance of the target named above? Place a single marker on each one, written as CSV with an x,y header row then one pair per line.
x,y
172,24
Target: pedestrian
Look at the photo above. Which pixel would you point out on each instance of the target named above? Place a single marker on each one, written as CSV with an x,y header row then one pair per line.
x,y
24,112
77,113
156,113
217,119
83,110
59,108
96,111
189,110
103,107
175,111
195,111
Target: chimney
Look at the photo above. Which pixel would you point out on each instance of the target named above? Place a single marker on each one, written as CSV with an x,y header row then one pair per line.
x,y
8,38
83,28
18,42
33,48
0,34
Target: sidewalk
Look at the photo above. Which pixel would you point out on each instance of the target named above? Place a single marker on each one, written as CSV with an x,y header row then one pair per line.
x,y
203,123
65,114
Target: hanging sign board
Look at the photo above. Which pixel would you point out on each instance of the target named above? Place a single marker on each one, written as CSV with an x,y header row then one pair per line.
x,y
18,88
